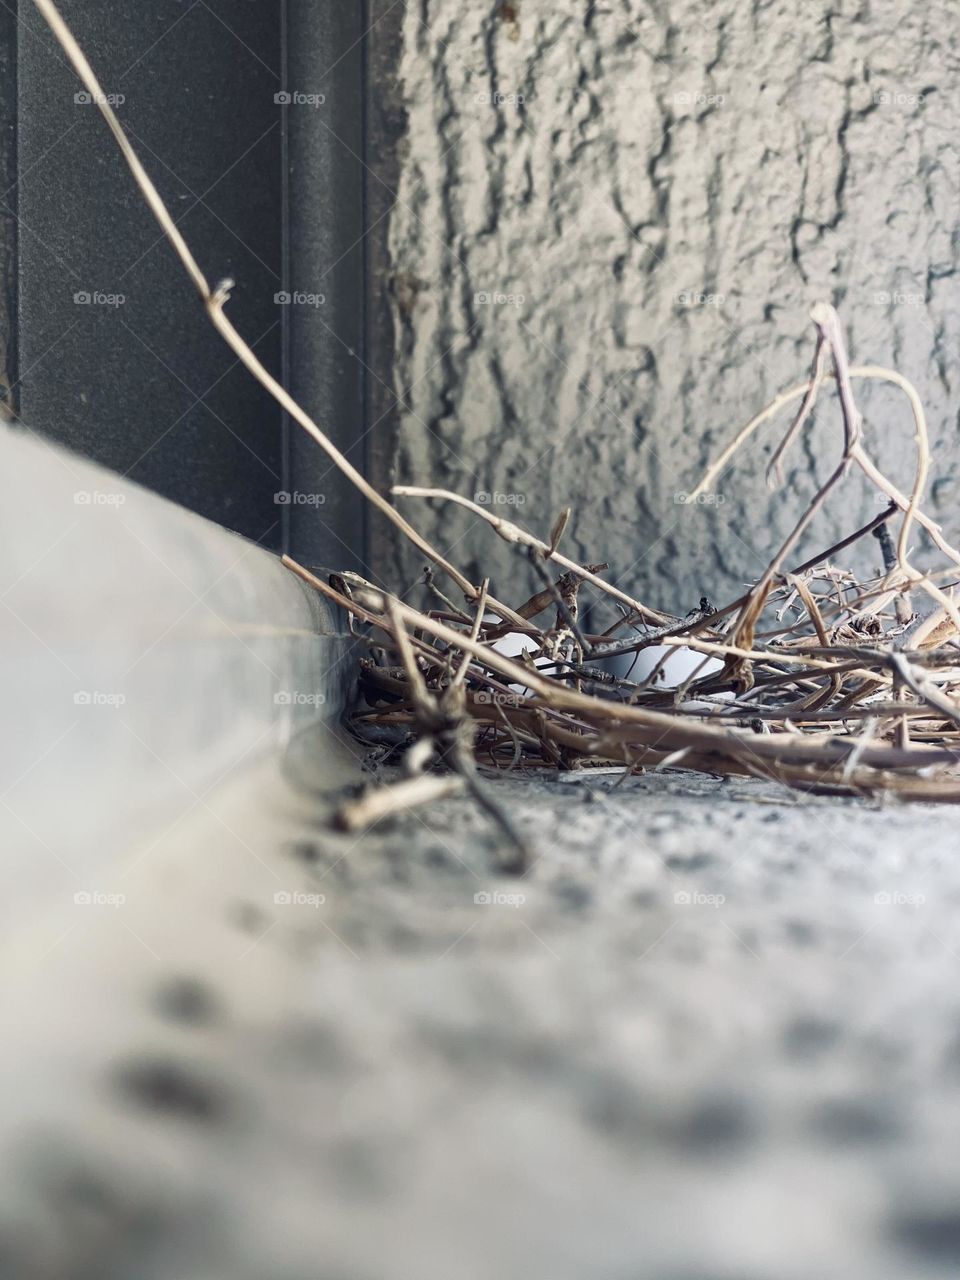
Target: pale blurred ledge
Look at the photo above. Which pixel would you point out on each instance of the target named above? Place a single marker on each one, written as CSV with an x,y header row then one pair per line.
x,y
146,654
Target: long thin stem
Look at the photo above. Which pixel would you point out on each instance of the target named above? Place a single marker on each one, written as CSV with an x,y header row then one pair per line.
x,y
214,301
511,532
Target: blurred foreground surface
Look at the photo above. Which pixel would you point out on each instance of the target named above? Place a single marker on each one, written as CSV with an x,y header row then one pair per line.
x,y
714,1034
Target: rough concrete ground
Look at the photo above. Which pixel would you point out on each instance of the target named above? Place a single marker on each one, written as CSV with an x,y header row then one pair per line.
x,y
716,1038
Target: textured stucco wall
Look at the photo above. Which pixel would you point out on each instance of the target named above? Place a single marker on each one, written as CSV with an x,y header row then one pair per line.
x,y
661,191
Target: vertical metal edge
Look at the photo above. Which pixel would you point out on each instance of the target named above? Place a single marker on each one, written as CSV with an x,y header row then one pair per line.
x,y
9,240
385,131
365,8
325,220
286,425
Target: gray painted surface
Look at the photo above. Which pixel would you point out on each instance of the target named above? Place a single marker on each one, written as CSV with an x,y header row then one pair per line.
x,y
325,345
250,118
8,223
145,386
145,653
668,188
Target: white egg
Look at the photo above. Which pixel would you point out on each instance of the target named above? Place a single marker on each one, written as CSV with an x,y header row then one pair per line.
x,y
512,645
680,663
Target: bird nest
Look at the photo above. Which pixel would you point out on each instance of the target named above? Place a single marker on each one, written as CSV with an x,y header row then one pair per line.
x,y
813,678
852,692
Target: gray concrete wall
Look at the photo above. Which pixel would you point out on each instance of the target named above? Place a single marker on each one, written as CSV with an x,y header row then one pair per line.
x,y
658,193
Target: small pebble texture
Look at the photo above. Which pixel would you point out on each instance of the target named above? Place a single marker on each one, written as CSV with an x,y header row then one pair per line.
x,y
612,221
712,1034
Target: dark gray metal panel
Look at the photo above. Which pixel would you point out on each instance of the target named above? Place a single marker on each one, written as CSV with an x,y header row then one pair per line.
x,y
386,289
8,224
146,386
325,344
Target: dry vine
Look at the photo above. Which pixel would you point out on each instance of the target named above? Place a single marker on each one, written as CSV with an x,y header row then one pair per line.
x,y
852,692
